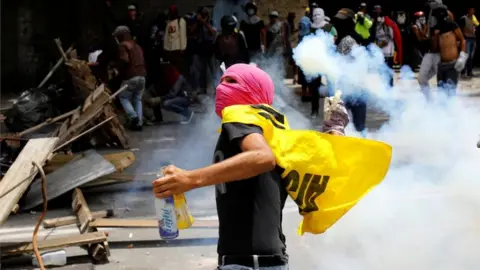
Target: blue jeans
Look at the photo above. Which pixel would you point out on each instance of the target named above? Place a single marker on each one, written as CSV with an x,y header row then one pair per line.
x,y
240,267
178,105
134,93
471,47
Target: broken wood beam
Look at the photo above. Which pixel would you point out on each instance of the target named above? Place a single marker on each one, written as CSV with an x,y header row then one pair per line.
x,y
80,208
55,67
60,49
47,122
57,243
121,160
98,251
70,220
83,133
20,175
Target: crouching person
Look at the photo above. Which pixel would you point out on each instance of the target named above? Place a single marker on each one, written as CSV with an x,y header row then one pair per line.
x,y
177,98
131,68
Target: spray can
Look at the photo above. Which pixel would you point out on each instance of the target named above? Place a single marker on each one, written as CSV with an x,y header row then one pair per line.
x,y
166,216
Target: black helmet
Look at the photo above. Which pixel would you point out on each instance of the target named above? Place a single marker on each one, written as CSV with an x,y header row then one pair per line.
x,y
228,23
251,5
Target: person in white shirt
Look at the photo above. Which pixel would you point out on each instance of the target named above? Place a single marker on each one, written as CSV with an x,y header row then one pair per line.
x,y
175,40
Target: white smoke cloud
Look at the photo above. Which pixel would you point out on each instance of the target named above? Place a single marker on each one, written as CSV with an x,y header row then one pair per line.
x,y
425,214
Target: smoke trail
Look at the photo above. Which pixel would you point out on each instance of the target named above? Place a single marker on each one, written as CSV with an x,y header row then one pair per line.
x,y
425,213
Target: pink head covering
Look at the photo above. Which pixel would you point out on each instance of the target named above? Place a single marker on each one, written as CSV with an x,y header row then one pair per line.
x,y
252,86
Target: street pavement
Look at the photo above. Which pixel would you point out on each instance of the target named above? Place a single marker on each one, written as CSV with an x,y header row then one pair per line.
x,y
191,146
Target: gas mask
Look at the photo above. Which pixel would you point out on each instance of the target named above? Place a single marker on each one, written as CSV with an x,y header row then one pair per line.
x,y
318,17
250,12
381,19
422,20
401,19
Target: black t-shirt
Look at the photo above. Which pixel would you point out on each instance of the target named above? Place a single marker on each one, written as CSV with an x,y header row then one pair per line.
x,y
252,34
250,210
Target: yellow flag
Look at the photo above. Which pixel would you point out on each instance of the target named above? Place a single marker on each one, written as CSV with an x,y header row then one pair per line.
x,y
325,175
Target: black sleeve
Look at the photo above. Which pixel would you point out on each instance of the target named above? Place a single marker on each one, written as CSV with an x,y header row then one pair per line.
x,y
462,22
237,131
216,48
243,47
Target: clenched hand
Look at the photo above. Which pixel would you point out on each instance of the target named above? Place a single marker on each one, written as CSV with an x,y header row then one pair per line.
x,y
175,181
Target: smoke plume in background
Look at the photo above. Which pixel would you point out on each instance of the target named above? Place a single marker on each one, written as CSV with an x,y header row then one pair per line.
x,y
425,214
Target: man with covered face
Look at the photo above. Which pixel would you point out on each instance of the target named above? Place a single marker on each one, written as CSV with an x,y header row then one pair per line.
x,y
253,28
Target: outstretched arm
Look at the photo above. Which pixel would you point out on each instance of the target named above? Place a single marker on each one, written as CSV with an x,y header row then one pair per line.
x,y
256,158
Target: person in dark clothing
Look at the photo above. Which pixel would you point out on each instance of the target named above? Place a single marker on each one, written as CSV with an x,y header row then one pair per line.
x,y
131,68
275,43
405,27
254,30
230,45
157,35
203,52
469,25
346,40
135,22
176,98
250,195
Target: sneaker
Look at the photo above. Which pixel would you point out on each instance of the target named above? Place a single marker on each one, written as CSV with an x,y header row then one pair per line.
x,y
187,119
135,124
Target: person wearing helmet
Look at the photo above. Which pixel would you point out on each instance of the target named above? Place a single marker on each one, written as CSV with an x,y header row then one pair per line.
x,y
253,29
231,45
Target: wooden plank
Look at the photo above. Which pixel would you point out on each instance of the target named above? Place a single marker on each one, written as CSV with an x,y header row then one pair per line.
x,y
57,243
22,169
70,220
98,251
81,83
121,160
82,122
116,129
48,122
74,174
142,223
81,209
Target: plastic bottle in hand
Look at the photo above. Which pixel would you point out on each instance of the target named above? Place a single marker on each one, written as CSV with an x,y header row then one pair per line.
x,y
167,216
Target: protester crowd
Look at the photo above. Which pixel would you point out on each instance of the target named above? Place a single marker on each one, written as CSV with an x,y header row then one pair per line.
x,y
167,64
